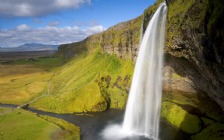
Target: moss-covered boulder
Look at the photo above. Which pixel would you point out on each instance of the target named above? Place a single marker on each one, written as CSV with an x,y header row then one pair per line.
x,y
180,118
214,131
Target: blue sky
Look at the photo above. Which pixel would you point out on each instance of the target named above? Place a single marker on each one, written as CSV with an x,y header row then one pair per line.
x,y
62,21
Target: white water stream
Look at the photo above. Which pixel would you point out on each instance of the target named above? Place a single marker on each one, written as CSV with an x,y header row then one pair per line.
x,y
143,108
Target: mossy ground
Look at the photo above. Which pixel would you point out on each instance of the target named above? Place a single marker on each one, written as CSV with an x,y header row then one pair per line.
x,y
78,86
180,118
46,63
22,83
214,131
74,130
21,124
194,114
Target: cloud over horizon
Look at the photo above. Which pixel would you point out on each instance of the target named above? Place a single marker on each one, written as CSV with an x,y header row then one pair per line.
x,y
47,35
33,8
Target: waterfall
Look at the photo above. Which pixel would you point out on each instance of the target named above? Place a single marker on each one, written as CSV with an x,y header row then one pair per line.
x,y
143,108
144,102
141,33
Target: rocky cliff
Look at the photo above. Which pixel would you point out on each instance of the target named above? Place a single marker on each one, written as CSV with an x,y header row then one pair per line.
x,y
195,38
121,40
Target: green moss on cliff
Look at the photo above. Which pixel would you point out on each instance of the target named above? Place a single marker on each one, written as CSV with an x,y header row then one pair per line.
x,y
215,11
184,19
214,45
180,118
213,132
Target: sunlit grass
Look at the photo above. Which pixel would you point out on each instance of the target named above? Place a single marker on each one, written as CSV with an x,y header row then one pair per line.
x,y
21,83
21,124
43,62
75,86
74,130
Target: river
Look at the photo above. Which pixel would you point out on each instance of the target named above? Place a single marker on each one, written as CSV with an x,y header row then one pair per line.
x,y
91,124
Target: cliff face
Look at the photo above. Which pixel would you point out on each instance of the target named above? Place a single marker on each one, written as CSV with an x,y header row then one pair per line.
x,y
122,39
195,34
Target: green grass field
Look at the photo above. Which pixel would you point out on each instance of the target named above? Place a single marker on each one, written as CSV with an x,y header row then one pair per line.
x,y
21,83
24,125
75,86
23,80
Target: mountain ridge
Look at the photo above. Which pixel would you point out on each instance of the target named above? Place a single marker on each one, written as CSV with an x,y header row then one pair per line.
x,y
30,47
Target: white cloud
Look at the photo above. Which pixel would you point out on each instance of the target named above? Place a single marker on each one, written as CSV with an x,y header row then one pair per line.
x,y
47,35
70,3
23,27
28,8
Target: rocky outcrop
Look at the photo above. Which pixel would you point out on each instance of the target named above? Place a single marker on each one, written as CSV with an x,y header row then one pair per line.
x,y
121,40
195,32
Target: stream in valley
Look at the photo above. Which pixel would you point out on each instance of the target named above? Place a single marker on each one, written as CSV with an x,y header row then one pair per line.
x,y
92,124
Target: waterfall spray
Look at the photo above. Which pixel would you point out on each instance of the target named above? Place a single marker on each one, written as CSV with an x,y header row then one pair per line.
x,y
144,102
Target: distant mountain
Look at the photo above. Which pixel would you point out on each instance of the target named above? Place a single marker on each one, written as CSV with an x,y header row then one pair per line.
x,y
31,47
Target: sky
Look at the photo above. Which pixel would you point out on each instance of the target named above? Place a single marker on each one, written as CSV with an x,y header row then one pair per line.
x,y
62,21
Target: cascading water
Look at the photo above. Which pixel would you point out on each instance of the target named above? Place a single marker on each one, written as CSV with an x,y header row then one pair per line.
x,y
141,33
143,108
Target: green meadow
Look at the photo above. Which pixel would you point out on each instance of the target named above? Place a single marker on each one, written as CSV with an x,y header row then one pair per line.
x,y
24,125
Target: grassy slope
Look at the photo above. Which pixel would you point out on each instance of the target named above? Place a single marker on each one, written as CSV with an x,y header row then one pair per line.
x,y
21,124
76,86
